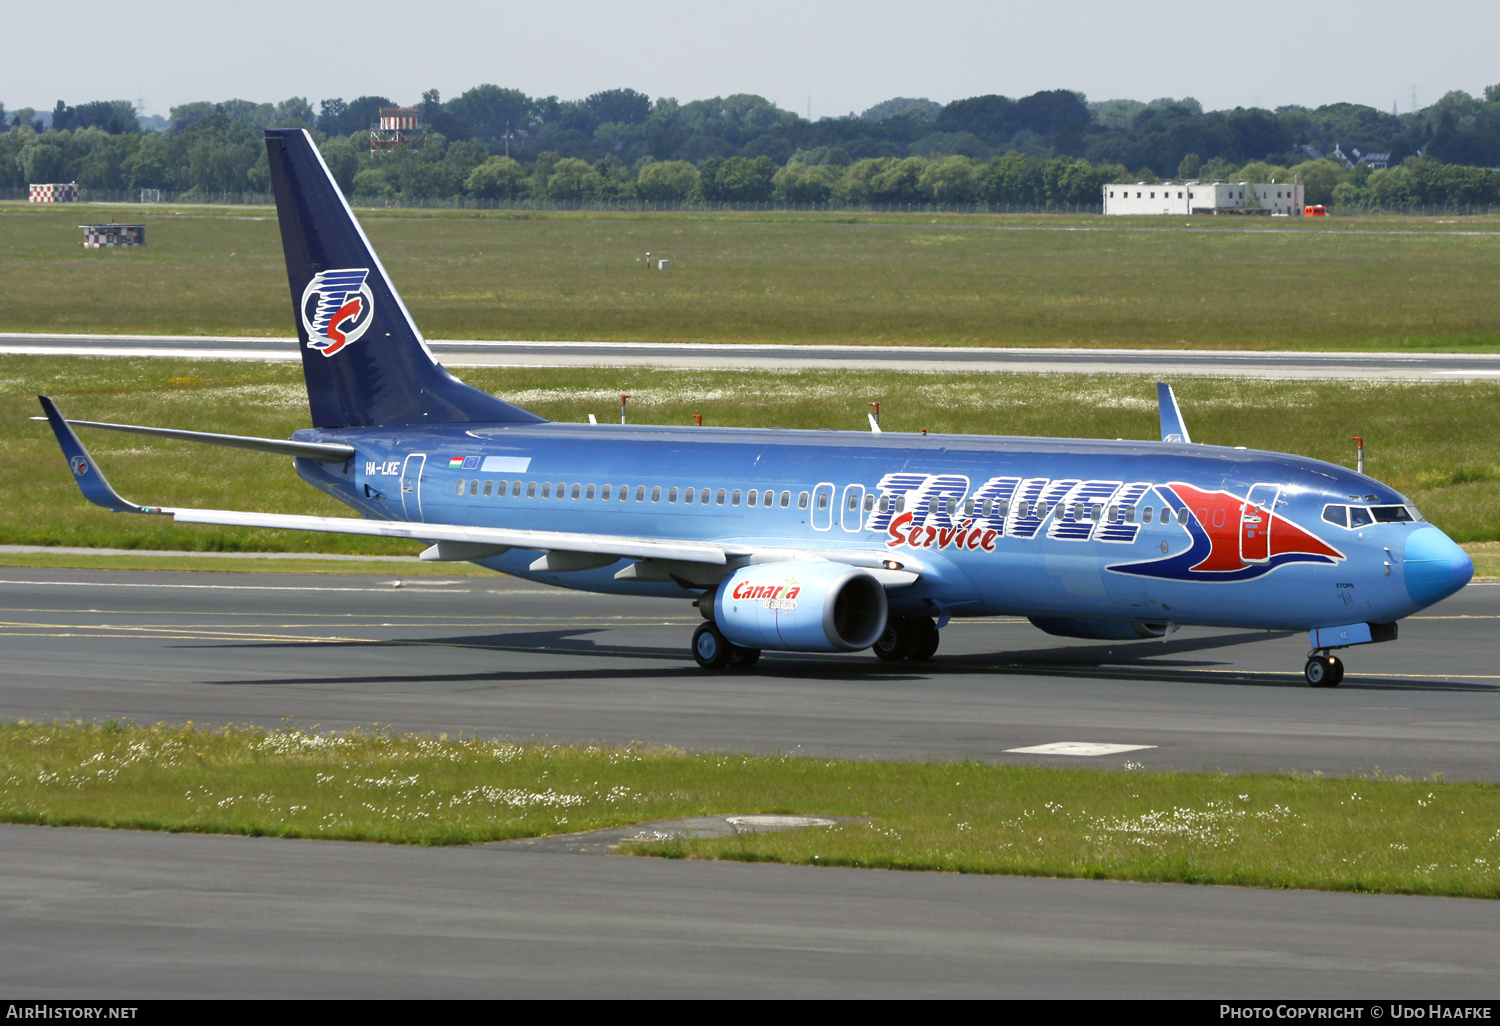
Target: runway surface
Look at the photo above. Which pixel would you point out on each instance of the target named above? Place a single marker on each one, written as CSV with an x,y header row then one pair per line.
x,y
1217,363
105,913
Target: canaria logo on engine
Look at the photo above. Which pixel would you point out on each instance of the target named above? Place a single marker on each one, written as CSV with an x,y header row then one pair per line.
x,y
337,308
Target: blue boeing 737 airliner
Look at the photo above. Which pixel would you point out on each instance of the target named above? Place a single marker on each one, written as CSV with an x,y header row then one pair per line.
x,y
809,541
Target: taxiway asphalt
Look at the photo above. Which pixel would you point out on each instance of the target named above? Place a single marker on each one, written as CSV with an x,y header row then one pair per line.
x,y
521,660
120,914
955,359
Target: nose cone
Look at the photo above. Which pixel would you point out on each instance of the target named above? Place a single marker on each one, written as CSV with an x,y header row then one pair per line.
x,y
1435,567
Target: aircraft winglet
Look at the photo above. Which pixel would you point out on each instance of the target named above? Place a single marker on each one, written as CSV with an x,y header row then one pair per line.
x,y
1172,427
90,478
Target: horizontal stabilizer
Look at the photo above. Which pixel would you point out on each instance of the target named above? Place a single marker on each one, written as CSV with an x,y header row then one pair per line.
x,y
323,452
1172,427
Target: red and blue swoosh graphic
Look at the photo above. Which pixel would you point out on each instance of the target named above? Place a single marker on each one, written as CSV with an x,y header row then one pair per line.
x,y
1222,531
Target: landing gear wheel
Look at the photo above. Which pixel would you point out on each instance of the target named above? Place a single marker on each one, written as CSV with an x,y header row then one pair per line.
x,y
710,648
893,643
743,658
1324,671
907,637
924,641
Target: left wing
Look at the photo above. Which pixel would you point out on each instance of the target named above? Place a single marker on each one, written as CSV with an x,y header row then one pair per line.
x,y
710,560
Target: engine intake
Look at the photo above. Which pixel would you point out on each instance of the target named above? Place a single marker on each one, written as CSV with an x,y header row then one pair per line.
x,y
801,607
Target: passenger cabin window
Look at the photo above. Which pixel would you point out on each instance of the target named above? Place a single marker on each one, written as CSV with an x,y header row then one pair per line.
x,y
530,489
688,495
823,502
515,490
672,495
786,499
752,497
734,497
590,493
719,497
489,489
703,497
769,499
546,489
1183,515
656,493
801,500
640,493
577,489
474,487
604,492
562,489
1146,515
869,501
460,489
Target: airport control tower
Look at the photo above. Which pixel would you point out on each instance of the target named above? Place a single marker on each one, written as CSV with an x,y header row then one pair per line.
x,y
397,126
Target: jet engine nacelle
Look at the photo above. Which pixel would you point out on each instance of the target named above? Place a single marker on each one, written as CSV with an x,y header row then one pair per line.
x,y
801,607
1102,630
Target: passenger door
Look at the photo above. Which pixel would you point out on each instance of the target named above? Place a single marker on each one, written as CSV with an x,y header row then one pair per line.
x,y
1255,523
411,486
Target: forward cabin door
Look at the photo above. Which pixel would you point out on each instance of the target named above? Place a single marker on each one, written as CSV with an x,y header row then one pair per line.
x,y
411,486
1255,523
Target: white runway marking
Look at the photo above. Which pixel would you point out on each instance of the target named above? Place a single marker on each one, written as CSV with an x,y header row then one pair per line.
x,y
224,587
1077,748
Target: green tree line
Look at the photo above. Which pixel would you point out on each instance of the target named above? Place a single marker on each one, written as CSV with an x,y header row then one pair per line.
x,y
1050,148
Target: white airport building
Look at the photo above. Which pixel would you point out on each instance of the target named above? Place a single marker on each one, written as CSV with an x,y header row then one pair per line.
x,y
1203,198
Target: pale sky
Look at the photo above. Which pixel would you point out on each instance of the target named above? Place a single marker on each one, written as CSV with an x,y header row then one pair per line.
x,y
844,55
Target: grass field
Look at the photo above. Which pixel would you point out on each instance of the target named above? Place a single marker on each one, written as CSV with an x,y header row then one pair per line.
x,y
1372,834
1381,283
1434,441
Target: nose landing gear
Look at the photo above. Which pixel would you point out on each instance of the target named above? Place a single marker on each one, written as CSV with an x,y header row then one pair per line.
x,y
1323,670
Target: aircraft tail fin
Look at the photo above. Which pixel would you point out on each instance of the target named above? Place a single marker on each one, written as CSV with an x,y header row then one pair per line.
x,y
365,362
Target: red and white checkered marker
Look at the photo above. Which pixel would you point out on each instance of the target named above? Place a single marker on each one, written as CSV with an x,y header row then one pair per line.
x,y
56,192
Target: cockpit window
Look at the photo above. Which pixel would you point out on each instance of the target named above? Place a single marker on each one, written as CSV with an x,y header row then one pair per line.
x,y
1392,514
1359,517
1336,515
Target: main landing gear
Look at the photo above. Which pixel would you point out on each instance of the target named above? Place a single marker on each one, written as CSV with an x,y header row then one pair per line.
x,y
1323,670
713,651
908,637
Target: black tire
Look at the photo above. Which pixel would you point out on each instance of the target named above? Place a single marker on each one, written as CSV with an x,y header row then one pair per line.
x,y
1323,671
743,658
894,642
710,648
924,642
